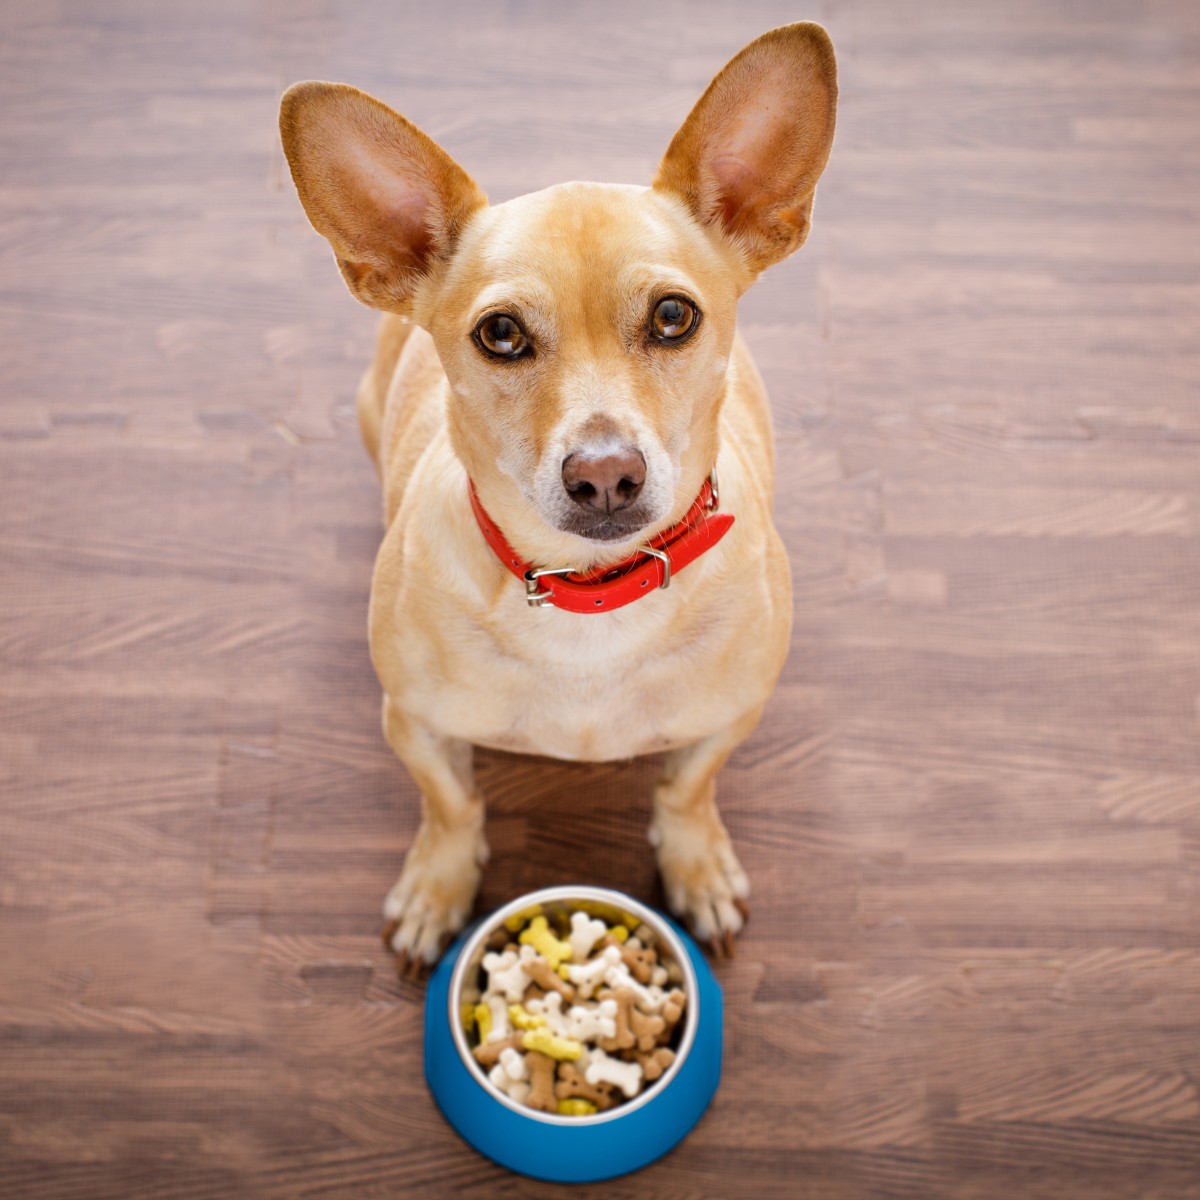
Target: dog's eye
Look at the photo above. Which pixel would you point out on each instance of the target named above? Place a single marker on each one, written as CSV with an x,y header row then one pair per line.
x,y
673,319
501,336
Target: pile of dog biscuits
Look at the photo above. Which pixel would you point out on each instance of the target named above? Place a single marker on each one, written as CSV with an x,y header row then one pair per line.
x,y
577,1018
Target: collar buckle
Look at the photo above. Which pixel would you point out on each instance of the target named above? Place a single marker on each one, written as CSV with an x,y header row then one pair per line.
x,y
535,596
664,558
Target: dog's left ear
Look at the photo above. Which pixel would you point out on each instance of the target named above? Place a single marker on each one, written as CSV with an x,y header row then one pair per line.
x,y
747,159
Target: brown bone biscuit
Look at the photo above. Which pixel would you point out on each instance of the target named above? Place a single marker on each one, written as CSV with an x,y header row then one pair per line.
x,y
548,979
647,1030
671,1012
639,959
541,1081
624,1038
487,1054
655,1063
571,1085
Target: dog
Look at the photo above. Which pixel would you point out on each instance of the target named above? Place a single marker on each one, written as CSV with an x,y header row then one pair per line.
x,y
577,461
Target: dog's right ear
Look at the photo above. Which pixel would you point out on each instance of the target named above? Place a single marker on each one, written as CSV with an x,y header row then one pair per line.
x,y
391,202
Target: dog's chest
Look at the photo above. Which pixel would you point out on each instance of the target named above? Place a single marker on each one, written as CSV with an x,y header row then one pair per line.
x,y
588,689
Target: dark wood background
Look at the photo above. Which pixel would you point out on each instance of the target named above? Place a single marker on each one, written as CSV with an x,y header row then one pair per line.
x,y
972,813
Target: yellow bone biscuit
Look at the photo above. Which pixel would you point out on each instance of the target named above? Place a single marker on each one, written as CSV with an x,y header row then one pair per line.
x,y
538,936
518,920
483,1020
545,1042
523,1019
576,1108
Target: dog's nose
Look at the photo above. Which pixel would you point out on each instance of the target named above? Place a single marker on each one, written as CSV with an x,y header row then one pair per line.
x,y
606,484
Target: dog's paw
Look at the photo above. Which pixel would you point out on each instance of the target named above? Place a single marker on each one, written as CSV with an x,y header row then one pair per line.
x,y
432,899
703,880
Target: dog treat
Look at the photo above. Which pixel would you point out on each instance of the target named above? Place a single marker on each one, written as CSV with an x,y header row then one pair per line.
x,y
524,1019
549,1008
625,1075
481,1018
518,921
646,1029
648,999
561,1048
541,1069
487,1054
539,937
655,1062
506,975
511,1075
672,1009
640,960
587,977
547,978
577,1016
585,933
572,1085
497,941
593,1024
498,1026
622,1036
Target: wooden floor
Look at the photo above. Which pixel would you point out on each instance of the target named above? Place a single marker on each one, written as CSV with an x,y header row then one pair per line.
x,y
972,813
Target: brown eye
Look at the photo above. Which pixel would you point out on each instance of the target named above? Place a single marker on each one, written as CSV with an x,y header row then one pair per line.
x,y
501,337
673,319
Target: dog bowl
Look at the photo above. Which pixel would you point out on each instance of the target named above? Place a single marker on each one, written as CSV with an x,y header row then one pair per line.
x,y
572,1149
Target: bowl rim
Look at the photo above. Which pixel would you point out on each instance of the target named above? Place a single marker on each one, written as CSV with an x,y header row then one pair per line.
x,y
567,893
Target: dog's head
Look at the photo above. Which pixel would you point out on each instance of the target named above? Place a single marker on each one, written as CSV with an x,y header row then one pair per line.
x,y
585,330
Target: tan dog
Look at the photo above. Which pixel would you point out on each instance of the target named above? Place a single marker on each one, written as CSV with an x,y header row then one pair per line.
x,y
573,354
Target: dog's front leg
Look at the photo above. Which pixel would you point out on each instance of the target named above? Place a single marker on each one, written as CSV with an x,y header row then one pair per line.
x,y
702,878
434,894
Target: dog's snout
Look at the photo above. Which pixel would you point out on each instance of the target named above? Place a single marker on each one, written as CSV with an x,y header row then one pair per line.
x,y
606,483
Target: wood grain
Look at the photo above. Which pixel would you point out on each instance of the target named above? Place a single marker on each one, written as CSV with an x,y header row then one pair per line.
x,y
972,812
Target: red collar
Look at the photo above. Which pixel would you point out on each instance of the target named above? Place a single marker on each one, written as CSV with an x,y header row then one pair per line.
x,y
607,588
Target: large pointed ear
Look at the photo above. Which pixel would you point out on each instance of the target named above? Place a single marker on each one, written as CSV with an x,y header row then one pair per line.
x,y
749,155
390,200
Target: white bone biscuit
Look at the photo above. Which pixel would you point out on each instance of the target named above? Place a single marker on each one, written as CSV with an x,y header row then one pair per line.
x,y
506,973
500,1023
603,1069
585,933
550,1007
586,1024
587,977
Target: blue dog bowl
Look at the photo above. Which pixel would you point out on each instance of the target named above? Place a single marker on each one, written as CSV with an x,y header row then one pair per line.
x,y
559,1148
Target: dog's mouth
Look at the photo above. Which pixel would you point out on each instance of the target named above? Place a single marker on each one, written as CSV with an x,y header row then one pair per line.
x,y
607,527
